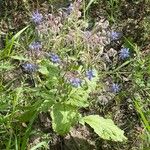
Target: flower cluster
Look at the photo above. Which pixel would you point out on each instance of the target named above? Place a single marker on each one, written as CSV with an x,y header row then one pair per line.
x,y
37,17
76,82
54,58
69,9
50,24
74,8
97,39
30,68
35,46
93,39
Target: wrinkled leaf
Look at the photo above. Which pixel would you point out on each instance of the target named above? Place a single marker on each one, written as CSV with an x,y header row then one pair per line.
x,y
43,70
78,97
63,118
105,128
46,67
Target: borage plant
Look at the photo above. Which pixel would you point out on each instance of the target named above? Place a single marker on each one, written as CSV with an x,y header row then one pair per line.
x,y
63,71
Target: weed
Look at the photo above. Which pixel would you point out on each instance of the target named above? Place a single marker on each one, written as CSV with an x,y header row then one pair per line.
x,y
78,74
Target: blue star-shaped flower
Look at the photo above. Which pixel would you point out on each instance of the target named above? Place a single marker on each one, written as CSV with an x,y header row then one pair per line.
x,y
115,35
76,82
54,58
115,88
124,53
36,17
90,74
35,46
28,67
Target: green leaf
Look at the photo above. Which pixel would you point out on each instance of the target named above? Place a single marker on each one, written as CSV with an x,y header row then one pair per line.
x,y
89,4
27,133
21,57
39,145
29,112
26,116
6,66
78,97
143,116
19,33
46,67
10,43
105,128
63,118
42,104
43,70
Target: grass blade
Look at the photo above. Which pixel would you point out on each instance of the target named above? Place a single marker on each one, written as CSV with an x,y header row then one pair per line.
x,y
89,4
39,145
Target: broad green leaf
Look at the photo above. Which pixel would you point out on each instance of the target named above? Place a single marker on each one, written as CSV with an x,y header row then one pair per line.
x,y
43,70
78,97
26,116
53,70
105,128
63,118
21,57
50,68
